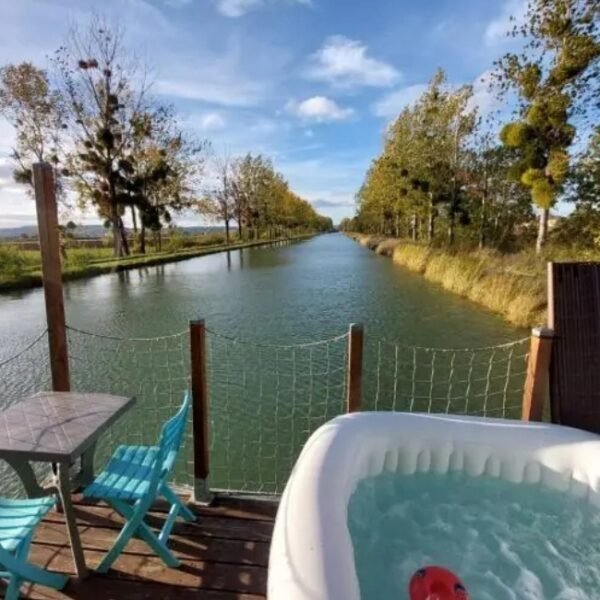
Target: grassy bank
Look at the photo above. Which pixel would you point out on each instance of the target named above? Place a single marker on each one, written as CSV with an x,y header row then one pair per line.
x,y
511,285
22,269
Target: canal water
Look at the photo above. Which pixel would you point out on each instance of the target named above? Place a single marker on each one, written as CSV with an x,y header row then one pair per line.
x,y
280,294
269,386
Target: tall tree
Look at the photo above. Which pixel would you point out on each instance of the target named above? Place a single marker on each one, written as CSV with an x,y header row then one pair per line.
x,y
220,201
35,110
554,76
105,94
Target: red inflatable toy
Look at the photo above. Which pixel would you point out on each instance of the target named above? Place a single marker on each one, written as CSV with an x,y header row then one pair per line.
x,y
436,583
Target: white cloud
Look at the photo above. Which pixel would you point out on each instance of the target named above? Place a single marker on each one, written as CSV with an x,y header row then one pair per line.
x,y
513,13
484,99
216,88
238,8
392,104
345,62
319,109
211,121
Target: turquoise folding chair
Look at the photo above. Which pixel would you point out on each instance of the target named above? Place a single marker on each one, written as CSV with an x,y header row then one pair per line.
x,y
18,520
133,479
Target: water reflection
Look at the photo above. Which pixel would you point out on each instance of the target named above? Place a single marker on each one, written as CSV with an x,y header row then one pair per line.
x,y
294,292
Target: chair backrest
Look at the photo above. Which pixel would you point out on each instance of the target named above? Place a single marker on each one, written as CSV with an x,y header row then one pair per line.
x,y
171,435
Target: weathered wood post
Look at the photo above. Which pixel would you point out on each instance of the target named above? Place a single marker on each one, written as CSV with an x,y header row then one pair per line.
x,y
355,367
47,218
200,411
538,371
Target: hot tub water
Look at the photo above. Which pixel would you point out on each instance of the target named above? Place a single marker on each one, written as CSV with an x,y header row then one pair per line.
x,y
505,541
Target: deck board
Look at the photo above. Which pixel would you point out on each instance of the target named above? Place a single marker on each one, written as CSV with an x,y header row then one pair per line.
x,y
224,555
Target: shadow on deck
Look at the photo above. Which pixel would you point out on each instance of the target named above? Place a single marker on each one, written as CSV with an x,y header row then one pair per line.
x,y
224,555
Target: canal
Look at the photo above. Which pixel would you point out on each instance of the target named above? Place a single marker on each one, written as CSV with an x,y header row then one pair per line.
x,y
269,385
282,294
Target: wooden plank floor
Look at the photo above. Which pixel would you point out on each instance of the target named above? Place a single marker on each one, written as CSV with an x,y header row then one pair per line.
x,y
224,555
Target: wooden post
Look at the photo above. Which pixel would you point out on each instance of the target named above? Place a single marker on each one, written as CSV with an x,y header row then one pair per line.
x,y
199,411
355,366
47,217
538,369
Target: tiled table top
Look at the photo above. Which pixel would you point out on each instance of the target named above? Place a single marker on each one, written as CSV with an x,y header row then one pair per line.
x,y
57,426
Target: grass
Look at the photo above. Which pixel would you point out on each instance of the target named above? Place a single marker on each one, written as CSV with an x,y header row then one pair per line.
x,y
21,269
512,285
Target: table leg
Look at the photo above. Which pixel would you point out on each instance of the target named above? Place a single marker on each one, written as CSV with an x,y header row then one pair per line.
x,y
64,488
24,470
87,466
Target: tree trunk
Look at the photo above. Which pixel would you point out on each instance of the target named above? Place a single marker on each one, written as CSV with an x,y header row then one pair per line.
x,y
413,227
124,240
142,239
483,223
239,224
134,219
227,231
431,223
451,223
542,231
116,231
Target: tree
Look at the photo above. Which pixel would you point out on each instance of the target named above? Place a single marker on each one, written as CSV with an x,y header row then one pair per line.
x,y
105,95
220,201
166,169
554,77
35,110
418,177
585,176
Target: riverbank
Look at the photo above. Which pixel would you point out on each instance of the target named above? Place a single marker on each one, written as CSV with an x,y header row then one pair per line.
x,y
33,279
512,285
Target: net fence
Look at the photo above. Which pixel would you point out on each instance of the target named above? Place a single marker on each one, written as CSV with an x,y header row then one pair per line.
x,y
485,381
23,373
155,371
265,400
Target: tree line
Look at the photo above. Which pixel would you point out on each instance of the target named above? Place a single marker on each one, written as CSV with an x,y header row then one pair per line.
x,y
445,172
115,147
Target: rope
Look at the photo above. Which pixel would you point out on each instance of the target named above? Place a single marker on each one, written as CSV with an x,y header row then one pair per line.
x,y
243,342
454,350
123,339
24,350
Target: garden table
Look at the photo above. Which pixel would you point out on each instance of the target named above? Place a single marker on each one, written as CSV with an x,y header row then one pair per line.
x,y
58,428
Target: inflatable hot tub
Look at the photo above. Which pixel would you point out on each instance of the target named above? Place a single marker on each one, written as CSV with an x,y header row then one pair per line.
x,y
312,553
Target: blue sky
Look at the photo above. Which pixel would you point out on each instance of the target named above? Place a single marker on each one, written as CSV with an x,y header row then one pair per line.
x,y
311,83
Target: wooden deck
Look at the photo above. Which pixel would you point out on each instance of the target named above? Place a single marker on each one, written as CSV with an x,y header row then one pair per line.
x,y
224,555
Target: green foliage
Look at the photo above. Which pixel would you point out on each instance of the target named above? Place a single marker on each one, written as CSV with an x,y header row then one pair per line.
x,y
13,263
251,192
553,77
435,169
35,111
543,193
516,134
531,176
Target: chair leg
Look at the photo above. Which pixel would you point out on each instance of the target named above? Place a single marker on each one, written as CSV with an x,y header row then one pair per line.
x,y
19,570
14,585
159,547
173,498
135,526
117,548
165,532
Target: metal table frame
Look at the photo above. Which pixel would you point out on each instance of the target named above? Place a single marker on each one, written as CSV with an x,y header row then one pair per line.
x,y
58,428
